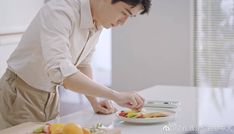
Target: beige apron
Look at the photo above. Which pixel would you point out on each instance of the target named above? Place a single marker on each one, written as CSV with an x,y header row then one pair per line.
x,y
21,103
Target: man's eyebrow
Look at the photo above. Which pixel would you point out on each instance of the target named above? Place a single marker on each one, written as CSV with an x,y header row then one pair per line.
x,y
128,11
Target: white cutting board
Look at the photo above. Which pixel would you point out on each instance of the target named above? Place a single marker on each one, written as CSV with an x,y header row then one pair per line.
x,y
25,128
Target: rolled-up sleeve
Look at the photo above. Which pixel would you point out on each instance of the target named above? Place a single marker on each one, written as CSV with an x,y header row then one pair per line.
x,y
56,27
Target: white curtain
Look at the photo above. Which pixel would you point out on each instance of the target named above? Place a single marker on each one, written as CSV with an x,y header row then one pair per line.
x,y
214,43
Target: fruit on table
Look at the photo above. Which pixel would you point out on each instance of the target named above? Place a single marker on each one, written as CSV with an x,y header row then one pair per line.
x,y
72,128
56,128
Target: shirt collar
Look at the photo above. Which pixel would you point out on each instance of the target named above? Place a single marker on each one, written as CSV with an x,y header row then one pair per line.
x,y
86,15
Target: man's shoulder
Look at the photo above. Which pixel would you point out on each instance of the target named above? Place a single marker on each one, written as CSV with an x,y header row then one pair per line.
x,y
72,6
69,8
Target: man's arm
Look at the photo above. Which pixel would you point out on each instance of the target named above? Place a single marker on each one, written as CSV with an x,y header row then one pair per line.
x,y
99,106
87,70
81,83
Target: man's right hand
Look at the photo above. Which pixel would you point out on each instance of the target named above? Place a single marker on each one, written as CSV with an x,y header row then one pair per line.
x,y
130,100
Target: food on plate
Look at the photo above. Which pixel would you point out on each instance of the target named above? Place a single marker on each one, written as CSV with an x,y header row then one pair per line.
x,y
72,128
135,114
155,115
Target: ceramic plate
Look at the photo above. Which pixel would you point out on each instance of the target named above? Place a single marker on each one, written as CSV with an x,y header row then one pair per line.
x,y
170,116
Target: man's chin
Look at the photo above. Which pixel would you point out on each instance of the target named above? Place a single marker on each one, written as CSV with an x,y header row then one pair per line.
x,y
107,27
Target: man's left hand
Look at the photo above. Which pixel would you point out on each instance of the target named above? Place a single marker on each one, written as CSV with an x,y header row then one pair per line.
x,y
104,107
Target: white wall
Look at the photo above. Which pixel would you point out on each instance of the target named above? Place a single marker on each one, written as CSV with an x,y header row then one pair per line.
x,y
154,49
7,45
102,59
15,16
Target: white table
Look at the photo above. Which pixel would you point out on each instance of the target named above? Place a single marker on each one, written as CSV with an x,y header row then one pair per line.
x,y
200,109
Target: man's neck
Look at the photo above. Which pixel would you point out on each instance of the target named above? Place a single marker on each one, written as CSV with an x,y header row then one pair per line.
x,y
94,4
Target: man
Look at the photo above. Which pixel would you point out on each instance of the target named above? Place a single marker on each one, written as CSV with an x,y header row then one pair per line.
x,y
56,50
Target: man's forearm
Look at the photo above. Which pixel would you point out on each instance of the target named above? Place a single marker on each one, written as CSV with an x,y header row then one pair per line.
x,y
81,83
88,71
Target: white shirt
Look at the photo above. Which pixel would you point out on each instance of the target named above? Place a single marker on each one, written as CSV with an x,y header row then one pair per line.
x,y
61,37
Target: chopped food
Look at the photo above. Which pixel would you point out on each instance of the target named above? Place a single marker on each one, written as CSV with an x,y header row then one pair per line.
x,y
154,115
135,114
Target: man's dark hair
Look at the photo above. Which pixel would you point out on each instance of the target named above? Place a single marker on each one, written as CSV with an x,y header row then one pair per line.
x,y
146,4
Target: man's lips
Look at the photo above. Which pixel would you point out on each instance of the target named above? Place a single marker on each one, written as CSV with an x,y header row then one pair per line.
x,y
114,25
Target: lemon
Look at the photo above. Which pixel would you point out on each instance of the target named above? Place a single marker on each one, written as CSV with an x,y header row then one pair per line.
x,y
72,128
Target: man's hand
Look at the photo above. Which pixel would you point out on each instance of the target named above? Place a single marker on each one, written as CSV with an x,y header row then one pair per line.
x,y
130,100
103,107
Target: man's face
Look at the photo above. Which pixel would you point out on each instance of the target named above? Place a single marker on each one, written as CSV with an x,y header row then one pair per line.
x,y
112,15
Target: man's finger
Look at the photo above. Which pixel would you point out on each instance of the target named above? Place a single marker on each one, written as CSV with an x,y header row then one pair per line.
x,y
133,102
141,98
140,101
109,106
102,110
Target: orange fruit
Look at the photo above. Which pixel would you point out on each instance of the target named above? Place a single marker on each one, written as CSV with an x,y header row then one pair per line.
x,y
56,128
72,128
86,131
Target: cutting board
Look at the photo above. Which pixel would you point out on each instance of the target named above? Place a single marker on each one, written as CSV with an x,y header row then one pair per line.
x,y
25,128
